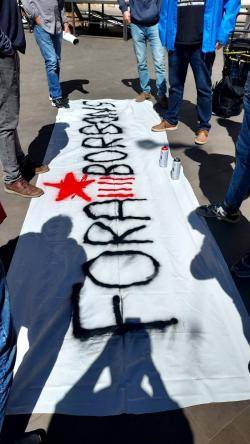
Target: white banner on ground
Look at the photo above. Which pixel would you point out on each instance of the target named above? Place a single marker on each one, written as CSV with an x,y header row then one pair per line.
x,y
121,297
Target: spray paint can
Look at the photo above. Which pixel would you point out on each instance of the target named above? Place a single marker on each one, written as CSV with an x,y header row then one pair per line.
x,y
176,168
164,157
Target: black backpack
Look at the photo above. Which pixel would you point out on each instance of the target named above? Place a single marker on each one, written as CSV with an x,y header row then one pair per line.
x,y
227,98
228,93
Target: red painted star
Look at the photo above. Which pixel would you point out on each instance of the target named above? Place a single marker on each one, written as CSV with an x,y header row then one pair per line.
x,y
70,186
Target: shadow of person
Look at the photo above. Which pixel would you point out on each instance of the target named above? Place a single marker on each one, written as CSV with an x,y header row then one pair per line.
x,y
38,147
148,144
70,86
214,176
232,127
128,365
202,268
188,115
135,85
46,267
215,171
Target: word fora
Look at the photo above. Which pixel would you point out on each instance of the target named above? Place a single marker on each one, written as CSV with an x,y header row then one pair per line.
x,y
105,155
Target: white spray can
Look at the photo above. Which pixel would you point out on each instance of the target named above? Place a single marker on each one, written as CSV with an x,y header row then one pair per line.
x,y
176,168
164,157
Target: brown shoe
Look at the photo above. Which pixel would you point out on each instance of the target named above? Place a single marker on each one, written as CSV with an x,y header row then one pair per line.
x,y
23,188
164,126
41,169
201,137
162,101
143,96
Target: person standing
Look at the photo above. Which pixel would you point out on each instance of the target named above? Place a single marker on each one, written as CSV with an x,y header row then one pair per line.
x,y
143,16
49,21
12,40
239,186
192,31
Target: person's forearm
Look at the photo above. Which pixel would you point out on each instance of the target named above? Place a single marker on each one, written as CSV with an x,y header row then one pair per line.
x,y
123,5
6,47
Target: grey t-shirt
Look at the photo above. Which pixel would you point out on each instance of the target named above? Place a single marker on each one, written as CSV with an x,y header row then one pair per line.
x,y
51,13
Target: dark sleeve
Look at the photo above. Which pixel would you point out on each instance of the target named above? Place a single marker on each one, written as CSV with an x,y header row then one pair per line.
x,y
123,5
5,44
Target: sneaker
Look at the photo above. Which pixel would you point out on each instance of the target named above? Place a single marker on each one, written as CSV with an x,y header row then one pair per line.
x,y
60,103
242,267
218,212
164,126
162,101
201,137
51,101
23,188
41,169
143,96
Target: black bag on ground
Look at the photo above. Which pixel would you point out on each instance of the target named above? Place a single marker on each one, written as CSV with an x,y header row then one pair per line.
x,y
227,98
228,93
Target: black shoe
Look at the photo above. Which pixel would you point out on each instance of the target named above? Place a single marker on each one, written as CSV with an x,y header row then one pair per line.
x,y
217,211
242,268
60,103
34,437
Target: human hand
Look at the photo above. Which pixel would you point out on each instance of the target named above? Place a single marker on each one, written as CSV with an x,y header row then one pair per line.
x,y
66,28
127,17
219,46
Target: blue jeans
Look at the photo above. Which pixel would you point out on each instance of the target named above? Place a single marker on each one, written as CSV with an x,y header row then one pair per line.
x,y
201,65
7,345
141,35
50,47
239,187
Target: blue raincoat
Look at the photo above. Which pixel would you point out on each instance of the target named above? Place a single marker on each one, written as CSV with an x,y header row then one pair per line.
x,y
219,22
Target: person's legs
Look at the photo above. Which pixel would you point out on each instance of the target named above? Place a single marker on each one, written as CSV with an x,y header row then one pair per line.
x,y
239,187
57,42
10,153
202,65
19,152
178,61
7,346
158,54
140,47
46,44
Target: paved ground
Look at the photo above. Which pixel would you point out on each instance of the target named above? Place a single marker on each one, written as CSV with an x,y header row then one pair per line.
x,y
104,68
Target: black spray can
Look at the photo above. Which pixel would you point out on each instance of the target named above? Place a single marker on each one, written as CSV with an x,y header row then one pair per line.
x,y
176,168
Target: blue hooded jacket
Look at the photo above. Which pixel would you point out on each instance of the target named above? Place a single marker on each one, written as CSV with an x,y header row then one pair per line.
x,y
219,21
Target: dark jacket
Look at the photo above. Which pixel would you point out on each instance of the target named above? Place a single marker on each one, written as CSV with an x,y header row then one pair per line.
x,y
11,28
143,12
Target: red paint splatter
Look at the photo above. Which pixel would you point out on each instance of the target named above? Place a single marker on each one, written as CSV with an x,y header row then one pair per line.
x,y
115,189
117,183
70,186
121,196
116,178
